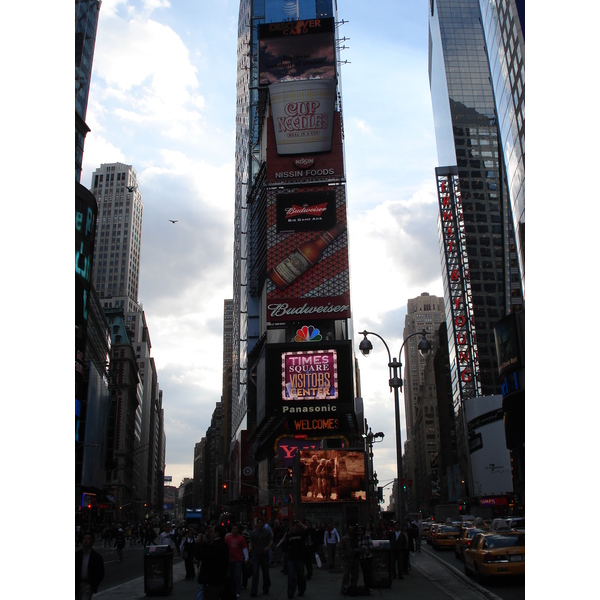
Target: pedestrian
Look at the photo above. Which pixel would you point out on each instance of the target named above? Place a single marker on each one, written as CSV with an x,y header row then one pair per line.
x,y
89,568
330,541
419,525
261,541
350,556
310,548
238,556
166,539
319,537
213,554
120,543
365,545
395,538
187,553
405,549
294,546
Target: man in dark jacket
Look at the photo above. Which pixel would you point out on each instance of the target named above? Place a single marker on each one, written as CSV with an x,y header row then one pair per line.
x,y
213,554
294,546
89,568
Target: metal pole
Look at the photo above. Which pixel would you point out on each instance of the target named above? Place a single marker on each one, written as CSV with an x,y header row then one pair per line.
x,y
394,383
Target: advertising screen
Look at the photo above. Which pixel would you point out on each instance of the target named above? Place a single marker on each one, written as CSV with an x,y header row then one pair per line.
x,y
332,476
305,167
309,375
296,50
308,271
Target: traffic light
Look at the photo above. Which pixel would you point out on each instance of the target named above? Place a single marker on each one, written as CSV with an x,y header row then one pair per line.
x,y
224,487
291,473
380,495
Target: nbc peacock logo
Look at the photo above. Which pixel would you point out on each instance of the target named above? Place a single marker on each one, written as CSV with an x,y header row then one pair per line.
x,y
308,334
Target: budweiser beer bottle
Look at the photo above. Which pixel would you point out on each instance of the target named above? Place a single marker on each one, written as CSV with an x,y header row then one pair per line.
x,y
304,257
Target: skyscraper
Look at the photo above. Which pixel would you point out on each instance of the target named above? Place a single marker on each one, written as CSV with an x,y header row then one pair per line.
x,y
291,300
476,226
116,272
481,274
86,24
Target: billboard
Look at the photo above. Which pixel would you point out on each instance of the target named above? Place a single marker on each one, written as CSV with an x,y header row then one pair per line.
x,y
303,115
332,476
308,270
288,372
296,50
287,446
311,166
490,459
309,375
306,211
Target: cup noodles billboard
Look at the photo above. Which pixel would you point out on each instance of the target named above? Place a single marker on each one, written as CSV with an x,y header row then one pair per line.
x,y
303,115
296,50
283,168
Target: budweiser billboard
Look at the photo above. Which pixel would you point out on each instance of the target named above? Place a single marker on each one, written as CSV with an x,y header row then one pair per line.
x,y
294,50
307,266
310,166
306,211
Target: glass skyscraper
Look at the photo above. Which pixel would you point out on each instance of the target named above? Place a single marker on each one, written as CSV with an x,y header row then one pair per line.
x,y
470,149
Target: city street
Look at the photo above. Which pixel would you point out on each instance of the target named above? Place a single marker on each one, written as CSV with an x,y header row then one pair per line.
x,y
434,576
509,588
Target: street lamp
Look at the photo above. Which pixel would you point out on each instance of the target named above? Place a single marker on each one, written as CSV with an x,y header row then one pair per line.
x,y
395,371
371,438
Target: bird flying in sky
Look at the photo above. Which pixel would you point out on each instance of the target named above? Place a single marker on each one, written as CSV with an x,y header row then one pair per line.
x,y
175,221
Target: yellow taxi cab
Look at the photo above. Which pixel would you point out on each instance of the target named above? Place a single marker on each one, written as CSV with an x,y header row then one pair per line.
x,y
466,535
499,553
431,532
445,536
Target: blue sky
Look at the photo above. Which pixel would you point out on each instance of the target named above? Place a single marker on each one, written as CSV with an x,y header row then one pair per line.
x,y
162,98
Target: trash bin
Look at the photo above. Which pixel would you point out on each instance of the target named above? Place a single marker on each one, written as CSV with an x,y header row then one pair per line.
x,y
382,564
158,570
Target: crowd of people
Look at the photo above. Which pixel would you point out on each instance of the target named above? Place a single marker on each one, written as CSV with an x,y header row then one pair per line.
x,y
224,560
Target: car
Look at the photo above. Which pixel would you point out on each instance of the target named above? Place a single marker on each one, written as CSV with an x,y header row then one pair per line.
x,y
466,535
431,531
495,554
445,536
426,526
517,523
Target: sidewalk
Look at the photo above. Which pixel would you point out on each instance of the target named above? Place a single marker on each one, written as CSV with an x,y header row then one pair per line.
x,y
430,579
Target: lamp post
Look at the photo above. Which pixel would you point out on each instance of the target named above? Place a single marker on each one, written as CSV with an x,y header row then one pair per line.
x,y
395,372
372,481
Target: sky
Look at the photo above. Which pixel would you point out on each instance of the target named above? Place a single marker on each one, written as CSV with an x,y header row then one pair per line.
x,y
162,98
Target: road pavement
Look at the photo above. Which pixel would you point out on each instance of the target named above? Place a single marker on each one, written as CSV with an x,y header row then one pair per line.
x,y
430,579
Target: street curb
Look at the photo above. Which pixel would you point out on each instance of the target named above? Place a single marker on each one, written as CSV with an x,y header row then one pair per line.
x,y
464,578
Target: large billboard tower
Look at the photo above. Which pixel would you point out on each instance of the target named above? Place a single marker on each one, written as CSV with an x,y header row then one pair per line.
x,y
294,372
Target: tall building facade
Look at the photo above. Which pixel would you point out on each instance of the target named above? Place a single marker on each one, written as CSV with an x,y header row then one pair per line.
x,y
421,448
88,373
115,277
116,273
481,274
291,300
86,25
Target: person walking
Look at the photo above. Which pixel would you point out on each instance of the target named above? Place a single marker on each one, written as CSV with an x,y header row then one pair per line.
x,y
238,556
330,541
89,568
213,554
395,538
310,548
261,541
365,545
406,548
349,553
419,525
294,546
187,553
120,543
